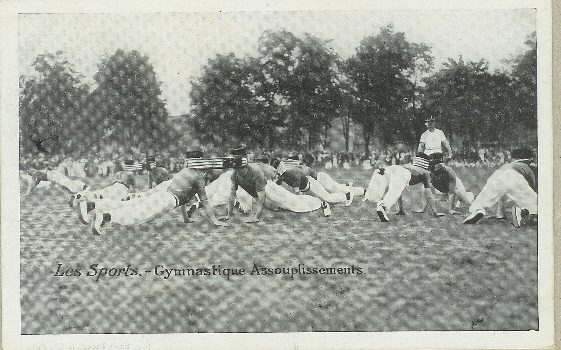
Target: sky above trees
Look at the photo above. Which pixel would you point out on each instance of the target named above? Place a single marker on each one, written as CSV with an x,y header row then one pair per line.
x,y
180,44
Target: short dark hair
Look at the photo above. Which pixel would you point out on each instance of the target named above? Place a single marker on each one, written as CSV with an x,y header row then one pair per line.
x,y
275,162
522,153
435,159
263,159
193,154
239,151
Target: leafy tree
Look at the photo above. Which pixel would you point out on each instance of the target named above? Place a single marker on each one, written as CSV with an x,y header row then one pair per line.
x,y
471,103
126,107
349,103
303,77
382,70
424,64
270,100
50,106
227,106
524,77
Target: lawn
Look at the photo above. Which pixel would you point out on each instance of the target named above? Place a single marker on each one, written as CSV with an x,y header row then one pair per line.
x,y
418,273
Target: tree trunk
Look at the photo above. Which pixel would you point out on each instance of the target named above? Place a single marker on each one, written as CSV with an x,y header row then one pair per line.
x,y
346,126
271,141
366,143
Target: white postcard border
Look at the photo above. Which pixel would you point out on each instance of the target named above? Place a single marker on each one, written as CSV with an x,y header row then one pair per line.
x,y
472,339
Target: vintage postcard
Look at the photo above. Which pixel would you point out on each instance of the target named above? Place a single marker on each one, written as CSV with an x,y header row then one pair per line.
x,y
253,175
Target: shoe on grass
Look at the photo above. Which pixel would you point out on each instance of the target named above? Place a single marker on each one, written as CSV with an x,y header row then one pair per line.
x,y
381,211
83,212
518,214
473,218
326,208
98,219
350,196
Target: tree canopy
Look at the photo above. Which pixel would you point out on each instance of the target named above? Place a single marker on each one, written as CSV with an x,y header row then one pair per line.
x,y
290,89
525,79
50,104
126,106
469,101
385,69
285,97
227,109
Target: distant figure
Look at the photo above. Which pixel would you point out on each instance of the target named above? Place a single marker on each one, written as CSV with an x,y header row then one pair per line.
x,y
156,174
55,176
482,154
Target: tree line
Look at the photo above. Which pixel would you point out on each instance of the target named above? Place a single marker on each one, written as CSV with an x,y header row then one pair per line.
x,y
286,96
122,111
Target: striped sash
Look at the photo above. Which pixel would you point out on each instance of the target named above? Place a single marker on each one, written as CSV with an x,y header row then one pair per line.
x,y
133,167
286,164
216,163
421,162
291,162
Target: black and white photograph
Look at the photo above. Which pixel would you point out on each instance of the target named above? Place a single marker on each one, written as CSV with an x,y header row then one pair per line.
x,y
273,176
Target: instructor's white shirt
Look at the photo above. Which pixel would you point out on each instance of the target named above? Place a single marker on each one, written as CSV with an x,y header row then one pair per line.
x,y
433,141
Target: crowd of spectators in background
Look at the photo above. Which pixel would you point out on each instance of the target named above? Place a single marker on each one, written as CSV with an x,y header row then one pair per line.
x,y
493,156
107,165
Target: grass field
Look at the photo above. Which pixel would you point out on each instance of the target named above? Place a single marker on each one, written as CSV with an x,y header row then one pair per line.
x,y
419,272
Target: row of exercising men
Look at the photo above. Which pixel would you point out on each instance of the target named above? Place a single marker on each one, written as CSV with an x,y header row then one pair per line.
x,y
256,180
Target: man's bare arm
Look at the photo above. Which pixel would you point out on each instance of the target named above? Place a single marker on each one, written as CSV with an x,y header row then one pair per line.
x,y
259,208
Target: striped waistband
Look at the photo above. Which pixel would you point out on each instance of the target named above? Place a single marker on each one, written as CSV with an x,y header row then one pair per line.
x,y
421,162
133,167
216,163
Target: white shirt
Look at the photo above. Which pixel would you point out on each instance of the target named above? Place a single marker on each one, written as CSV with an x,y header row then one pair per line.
x,y
433,141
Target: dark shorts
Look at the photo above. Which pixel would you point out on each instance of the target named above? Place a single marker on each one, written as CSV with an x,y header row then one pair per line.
x,y
304,184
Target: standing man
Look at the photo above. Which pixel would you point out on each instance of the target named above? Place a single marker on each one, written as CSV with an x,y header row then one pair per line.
x,y
433,140
518,181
